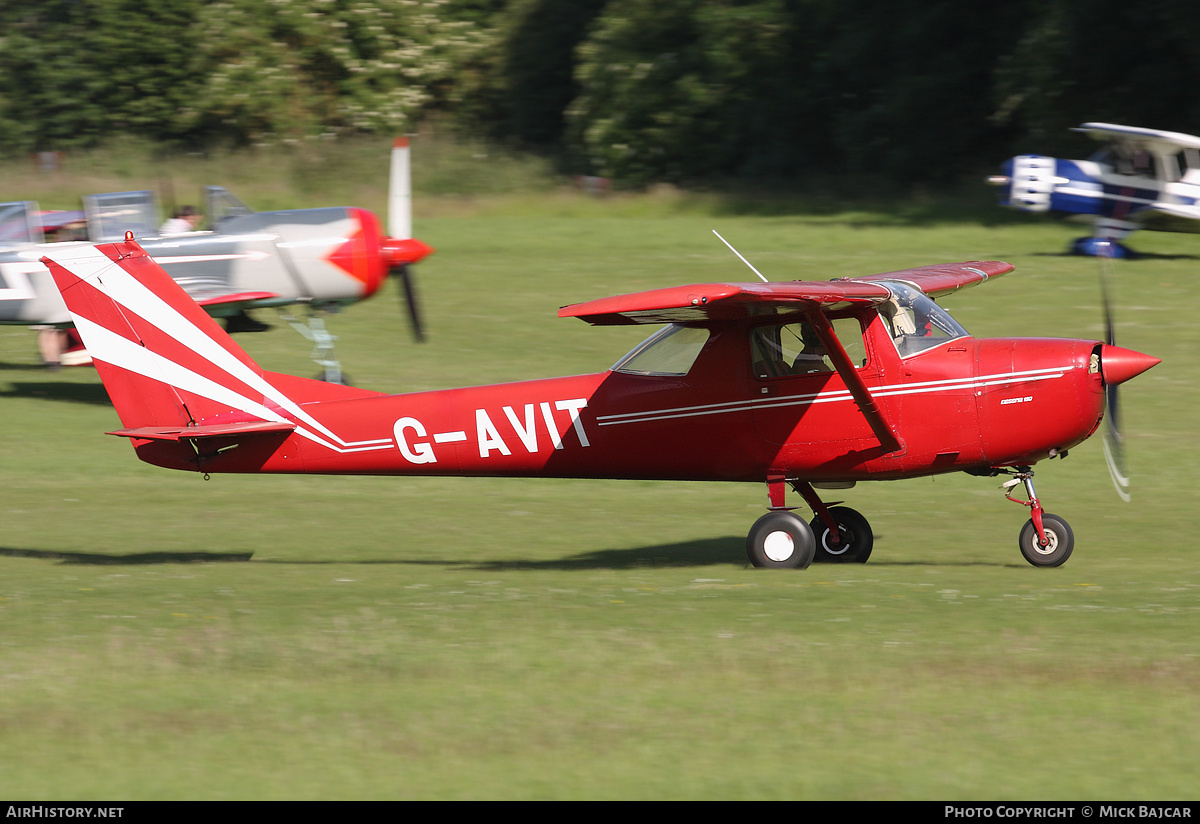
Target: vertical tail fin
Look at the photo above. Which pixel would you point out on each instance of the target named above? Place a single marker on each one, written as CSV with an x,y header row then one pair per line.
x,y
163,360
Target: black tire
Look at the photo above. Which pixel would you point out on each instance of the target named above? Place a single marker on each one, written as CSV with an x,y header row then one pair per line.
x,y
780,540
857,538
1056,553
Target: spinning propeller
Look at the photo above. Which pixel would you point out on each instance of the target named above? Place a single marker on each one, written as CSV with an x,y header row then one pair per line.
x,y
1117,365
400,249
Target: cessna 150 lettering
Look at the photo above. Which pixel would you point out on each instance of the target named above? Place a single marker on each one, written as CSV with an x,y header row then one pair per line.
x,y
1140,179
319,258
805,385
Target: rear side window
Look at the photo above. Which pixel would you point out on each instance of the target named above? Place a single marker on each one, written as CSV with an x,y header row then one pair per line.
x,y
670,351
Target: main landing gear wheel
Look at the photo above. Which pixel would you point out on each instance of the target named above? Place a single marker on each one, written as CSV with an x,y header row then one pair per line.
x,y
1061,540
780,540
855,532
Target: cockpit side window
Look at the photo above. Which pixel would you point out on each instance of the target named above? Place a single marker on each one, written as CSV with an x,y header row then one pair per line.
x,y
786,349
916,322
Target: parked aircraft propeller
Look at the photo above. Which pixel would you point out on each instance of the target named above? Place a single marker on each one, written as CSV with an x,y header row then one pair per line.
x,y
400,246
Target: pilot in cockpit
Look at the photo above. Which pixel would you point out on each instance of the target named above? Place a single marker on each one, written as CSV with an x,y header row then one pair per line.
x,y
812,356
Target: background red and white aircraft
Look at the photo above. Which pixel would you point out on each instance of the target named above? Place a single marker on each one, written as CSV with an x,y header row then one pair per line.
x,y
317,258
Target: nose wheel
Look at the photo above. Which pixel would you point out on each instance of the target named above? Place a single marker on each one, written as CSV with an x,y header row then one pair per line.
x,y
1046,540
1057,548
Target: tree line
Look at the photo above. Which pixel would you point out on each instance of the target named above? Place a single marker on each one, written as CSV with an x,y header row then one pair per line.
x,y
671,90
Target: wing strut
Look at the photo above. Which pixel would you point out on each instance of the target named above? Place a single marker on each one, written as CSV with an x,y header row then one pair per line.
x,y
854,382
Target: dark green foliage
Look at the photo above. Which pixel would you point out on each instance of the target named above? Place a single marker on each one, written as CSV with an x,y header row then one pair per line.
x,y
764,88
1081,60
678,90
539,66
683,90
75,70
229,71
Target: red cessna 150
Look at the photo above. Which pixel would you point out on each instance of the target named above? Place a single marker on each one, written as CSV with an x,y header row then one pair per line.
x,y
802,384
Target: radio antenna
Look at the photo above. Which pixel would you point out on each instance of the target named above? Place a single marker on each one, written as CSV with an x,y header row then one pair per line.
x,y
739,254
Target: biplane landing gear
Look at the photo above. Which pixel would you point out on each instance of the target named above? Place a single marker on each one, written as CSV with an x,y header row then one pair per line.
x,y
780,540
1046,540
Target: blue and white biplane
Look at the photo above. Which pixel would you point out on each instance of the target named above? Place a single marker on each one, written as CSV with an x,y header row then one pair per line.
x,y
1139,179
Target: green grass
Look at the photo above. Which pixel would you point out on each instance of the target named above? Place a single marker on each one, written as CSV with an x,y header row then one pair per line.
x,y
316,173
291,637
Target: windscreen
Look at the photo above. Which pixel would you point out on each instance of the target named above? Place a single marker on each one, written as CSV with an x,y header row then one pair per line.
x,y
916,322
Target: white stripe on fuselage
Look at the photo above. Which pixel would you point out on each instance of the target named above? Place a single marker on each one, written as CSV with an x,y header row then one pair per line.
x,y
998,379
168,260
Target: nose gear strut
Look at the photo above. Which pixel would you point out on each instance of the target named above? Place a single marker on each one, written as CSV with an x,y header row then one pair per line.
x,y
1024,475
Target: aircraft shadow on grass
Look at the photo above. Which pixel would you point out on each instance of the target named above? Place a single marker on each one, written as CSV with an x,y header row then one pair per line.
x,y
728,551
133,559
91,393
1131,255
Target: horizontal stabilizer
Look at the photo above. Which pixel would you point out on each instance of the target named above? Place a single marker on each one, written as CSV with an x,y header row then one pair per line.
x,y
224,430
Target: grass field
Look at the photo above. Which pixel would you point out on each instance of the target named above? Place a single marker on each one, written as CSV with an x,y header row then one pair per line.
x,y
163,637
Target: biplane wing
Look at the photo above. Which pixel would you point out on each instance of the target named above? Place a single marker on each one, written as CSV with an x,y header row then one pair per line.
x,y
1137,137
1170,217
732,301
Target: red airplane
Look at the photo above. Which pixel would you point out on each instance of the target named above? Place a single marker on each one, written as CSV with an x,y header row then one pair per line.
x,y
801,384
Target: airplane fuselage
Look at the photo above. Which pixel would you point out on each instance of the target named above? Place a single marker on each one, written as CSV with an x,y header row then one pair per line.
x,y
318,256
964,404
1094,191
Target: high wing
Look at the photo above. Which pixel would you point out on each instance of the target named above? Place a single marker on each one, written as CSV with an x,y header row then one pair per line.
x,y
811,299
944,279
734,301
